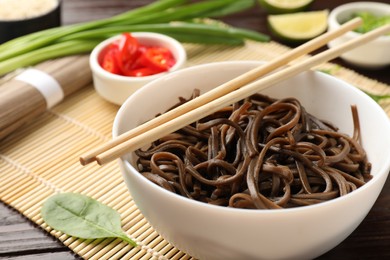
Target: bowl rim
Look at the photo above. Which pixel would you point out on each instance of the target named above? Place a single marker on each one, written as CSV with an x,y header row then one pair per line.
x,y
384,170
96,68
333,15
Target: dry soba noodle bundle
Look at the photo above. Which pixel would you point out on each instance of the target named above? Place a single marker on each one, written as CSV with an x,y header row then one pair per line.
x,y
259,153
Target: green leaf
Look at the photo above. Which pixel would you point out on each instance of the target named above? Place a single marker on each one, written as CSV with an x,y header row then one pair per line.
x,y
81,216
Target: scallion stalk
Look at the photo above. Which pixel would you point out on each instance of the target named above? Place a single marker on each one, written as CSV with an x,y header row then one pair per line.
x,y
49,52
181,19
197,29
191,38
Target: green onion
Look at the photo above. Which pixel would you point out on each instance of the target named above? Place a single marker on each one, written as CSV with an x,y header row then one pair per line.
x,y
377,98
196,29
181,19
45,53
191,38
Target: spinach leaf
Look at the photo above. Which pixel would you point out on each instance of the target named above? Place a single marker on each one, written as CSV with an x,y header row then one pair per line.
x,y
81,216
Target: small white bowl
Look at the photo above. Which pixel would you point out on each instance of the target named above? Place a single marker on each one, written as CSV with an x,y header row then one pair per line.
x,y
117,88
214,232
375,54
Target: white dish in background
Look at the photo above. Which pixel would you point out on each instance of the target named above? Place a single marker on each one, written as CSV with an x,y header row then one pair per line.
x,y
117,88
375,54
21,17
214,232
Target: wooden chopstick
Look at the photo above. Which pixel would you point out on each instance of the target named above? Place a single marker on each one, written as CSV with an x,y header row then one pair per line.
x,y
235,96
224,89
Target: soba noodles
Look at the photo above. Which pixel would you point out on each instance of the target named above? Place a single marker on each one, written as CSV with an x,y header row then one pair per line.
x,y
260,153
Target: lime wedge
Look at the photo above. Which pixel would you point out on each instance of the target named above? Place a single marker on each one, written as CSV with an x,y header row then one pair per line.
x,y
299,26
285,6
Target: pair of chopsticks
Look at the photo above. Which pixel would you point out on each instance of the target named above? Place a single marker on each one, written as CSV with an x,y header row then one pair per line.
x,y
229,93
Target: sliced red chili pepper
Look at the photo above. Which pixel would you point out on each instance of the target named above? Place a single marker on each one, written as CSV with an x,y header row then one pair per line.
x,y
129,58
135,63
109,61
128,47
158,58
141,72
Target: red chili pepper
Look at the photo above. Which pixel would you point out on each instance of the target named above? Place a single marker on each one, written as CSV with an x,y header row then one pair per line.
x,y
128,48
128,57
110,63
135,62
158,58
142,72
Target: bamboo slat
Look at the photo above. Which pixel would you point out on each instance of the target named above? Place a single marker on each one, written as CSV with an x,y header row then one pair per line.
x,y
41,158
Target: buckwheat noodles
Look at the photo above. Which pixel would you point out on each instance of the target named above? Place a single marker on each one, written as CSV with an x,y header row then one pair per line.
x,y
260,153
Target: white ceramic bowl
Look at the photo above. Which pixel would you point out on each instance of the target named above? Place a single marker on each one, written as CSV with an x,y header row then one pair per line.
x,y
214,232
375,54
117,88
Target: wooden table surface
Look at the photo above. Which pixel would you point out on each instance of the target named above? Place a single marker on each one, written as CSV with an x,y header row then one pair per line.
x,y
21,239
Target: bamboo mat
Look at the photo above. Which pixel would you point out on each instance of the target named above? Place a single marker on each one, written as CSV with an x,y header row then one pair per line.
x,y
43,158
